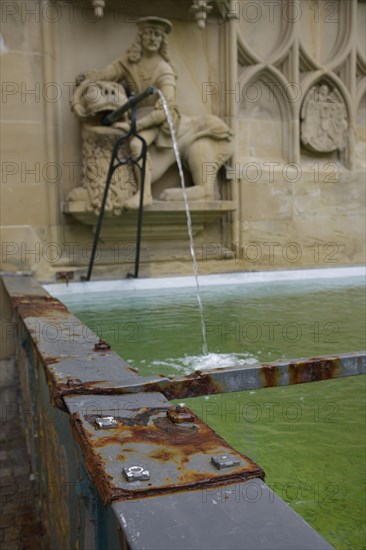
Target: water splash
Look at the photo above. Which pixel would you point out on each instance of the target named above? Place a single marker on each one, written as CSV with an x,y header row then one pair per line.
x,y
191,363
189,221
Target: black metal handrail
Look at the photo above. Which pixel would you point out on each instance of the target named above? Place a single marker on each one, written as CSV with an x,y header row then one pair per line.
x,y
115,163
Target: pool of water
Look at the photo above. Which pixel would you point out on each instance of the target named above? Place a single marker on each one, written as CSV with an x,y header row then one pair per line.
x,y
159,331
310,438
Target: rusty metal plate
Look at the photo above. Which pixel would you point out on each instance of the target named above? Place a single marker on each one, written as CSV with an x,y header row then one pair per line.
x,y
176,455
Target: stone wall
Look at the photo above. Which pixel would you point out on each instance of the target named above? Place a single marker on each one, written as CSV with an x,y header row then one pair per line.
x,y
254,66
30,208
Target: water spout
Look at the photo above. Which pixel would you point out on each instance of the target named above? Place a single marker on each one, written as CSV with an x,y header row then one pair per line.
x,y
189,221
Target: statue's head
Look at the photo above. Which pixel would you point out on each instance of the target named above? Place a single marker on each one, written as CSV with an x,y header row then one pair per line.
x,y
156,23
92,98
151,36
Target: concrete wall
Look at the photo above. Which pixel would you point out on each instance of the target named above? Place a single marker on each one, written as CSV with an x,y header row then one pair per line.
x,y
294,208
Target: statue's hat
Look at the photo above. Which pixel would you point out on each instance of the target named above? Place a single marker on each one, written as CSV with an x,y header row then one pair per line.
x,y
151,21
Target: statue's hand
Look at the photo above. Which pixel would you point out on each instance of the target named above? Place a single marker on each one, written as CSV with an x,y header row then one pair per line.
x,y
80,78
88,75
123,126
78,110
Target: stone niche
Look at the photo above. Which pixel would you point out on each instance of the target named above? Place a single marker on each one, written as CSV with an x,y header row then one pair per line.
x,y
205,139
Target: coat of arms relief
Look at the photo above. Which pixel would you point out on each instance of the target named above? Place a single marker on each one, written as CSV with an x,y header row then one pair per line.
x,y
324,119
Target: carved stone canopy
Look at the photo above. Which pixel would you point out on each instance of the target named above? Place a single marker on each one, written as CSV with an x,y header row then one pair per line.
x,y
199,8
324,119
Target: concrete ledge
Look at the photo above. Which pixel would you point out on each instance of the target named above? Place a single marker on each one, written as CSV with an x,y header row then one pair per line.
x,y
239,516
226,279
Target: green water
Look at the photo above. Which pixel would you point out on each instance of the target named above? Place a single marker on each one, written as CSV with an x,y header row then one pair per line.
x,y
310,441
310,438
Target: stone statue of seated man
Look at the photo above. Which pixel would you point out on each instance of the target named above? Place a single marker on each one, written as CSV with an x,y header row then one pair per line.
x,y
206,139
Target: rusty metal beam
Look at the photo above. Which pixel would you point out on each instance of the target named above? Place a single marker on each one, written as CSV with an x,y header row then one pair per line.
x,y
267,375
233,379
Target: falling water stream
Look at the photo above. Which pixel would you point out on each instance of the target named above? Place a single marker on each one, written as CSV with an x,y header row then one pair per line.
x,y
189,221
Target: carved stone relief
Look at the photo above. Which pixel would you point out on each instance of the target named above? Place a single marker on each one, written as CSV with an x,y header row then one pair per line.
x,y
324,120
203,141
199,8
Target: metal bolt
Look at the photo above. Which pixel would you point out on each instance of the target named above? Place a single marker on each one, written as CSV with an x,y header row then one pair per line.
x,y
180,414
102,346
106,422
136,473
224,461
65,276
74,382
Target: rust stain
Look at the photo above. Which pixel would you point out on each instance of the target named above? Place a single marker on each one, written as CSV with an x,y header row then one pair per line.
x,y
162,455
94,464
313,370
194,385
171,443
174,434
185,440
122,457
37,306
50,360
141,418
60,390
29,298
270,375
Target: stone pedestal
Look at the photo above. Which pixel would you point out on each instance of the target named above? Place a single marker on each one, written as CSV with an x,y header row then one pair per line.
x,y
162,220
